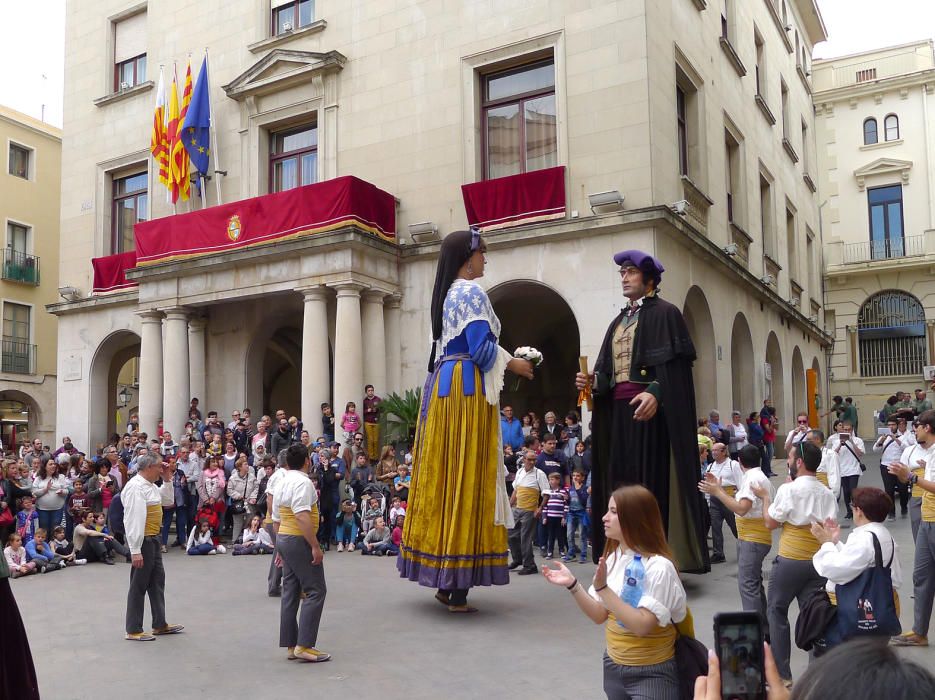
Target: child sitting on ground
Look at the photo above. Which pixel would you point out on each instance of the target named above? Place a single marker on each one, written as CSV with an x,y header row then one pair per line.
x,y
27,520
256,539
63,547
15,555
398,531
207,512
397,508
201,540
347,525
379,541
40,552
100,524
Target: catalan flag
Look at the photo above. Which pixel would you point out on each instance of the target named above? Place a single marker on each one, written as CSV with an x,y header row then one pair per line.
x,y
158,144
178,156
172,126
198,123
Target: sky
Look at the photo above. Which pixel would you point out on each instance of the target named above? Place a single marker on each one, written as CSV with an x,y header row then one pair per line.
x,y
32,50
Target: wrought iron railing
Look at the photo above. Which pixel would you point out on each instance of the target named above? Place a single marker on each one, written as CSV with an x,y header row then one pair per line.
x,y
17,356
886,249
20,267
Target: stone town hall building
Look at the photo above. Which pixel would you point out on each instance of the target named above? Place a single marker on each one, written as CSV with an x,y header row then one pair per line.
x,y
352,130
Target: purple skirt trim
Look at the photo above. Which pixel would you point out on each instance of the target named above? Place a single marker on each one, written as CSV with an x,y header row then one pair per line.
x,y
453,578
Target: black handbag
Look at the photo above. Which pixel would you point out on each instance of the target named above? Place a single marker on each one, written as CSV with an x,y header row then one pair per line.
x,y
816,616
863,467
238,507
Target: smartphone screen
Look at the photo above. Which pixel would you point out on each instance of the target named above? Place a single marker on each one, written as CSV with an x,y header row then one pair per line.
x,y
739,639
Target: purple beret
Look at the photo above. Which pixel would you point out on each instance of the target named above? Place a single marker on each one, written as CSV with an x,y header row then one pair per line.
x,y
645,262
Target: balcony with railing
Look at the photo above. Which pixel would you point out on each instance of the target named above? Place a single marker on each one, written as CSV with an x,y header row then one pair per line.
x,y
17,356
20,267
845,258
887,249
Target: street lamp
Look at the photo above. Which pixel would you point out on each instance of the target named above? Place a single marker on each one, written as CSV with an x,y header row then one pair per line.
x,y
123,397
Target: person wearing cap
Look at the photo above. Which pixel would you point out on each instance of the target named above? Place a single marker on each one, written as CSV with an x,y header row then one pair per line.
x,y
644,411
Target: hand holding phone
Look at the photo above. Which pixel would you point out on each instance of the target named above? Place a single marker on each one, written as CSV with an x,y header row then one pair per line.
x,y
738,640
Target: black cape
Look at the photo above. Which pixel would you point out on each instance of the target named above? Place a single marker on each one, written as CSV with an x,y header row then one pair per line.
x,y
661,342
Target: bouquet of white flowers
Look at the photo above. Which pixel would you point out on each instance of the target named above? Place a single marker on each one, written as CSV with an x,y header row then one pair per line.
x,y
531,355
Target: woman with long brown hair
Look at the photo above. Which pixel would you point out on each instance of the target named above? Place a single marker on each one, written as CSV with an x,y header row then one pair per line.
x,y
640,656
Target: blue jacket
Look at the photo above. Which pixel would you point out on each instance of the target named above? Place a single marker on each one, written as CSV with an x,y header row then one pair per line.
x,y
512,432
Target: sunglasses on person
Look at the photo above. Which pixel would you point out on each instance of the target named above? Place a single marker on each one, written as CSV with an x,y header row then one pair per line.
x,y
803,422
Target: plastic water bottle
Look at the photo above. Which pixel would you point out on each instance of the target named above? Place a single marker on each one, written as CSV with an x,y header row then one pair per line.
x,y
633,585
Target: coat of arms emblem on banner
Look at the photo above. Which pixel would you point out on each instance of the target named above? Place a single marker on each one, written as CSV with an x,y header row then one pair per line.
x,y
233,227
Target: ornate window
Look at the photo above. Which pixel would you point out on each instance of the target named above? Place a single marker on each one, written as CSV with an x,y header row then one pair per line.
x,y
891,126
891,333
870,131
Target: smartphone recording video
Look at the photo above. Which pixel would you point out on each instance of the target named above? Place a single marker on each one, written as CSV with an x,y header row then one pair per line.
x,y
739,641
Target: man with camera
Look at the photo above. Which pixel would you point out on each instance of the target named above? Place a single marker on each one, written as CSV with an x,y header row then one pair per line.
x,y
849,449
892,445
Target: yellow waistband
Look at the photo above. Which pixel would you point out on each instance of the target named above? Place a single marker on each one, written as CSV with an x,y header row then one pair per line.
x,y
822,477
797,542
527,498
730,490
754,530
917,490
153,519
288,525
627,649
928,507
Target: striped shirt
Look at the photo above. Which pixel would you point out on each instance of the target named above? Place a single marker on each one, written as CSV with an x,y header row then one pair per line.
x,y
556,503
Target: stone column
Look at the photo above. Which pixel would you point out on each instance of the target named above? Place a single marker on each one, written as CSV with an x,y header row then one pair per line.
x,y
176,377
316,379
150,371
196,354
348,351
394,349
374,337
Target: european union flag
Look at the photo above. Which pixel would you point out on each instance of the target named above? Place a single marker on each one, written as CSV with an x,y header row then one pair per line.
x,y
196,131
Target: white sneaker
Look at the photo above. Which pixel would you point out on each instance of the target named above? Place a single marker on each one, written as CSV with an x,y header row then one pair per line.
x,y
350,547
62,564
340,546
222,549
213,551
80,562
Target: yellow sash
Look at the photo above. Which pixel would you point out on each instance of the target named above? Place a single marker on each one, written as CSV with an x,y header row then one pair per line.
x,y
288,525
917,491
527,498
730,490
754,530
822,477
928,507
797,542
627,649
153,519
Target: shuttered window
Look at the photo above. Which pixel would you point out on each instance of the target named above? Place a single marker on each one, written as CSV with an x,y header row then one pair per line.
x,y
130,51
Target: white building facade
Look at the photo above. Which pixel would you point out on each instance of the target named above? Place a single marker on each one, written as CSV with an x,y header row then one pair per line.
x,y
702,105
876,130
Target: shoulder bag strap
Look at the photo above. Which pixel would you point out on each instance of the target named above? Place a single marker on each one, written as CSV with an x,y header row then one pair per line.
x,y
878,552
852,452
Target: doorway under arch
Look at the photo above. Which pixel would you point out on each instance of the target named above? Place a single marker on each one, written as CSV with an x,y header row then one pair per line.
x,y
799,398
282,371
697,315
20,418
743,380
532,313
114,368
775,384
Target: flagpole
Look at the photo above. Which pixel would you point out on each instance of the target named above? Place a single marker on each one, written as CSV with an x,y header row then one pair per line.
x,y
214,134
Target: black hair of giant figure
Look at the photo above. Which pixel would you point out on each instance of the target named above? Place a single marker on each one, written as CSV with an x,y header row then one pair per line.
x,y
455,251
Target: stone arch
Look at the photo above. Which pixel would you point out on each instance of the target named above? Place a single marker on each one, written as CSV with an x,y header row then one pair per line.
x,y
799,394
775,387
20,418
697,315
533,313
110,358
743,379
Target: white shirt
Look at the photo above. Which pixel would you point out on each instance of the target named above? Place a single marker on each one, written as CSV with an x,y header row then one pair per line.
x,y
295,491
728,472
912,455
754,477
803,501
738,430
829,465
663,593
848,463
272,488
196,537
261,536
843,562
795,436
136,496
535,478
892,446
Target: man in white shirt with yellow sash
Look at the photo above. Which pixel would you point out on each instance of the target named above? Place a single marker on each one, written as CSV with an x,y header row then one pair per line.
x,y
728,474
295,519
528,486
142,522
796,506
754,539
829,472
921,456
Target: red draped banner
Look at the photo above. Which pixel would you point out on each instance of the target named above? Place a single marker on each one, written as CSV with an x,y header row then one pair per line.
x,y
516,199
295,213
109,272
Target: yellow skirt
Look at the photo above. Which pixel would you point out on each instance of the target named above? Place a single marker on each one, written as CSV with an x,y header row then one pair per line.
x,y
450,540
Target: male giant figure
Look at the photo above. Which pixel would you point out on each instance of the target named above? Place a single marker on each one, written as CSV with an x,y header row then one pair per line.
x,y
644,412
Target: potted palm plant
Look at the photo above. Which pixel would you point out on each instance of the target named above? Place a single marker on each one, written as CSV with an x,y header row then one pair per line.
x,y
398,417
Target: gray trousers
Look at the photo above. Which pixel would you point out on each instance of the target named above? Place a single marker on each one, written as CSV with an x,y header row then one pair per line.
x,y
923,578
274,577
303,585
788,579
720,514
521,537
750,556
915,515
149,580
655,682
